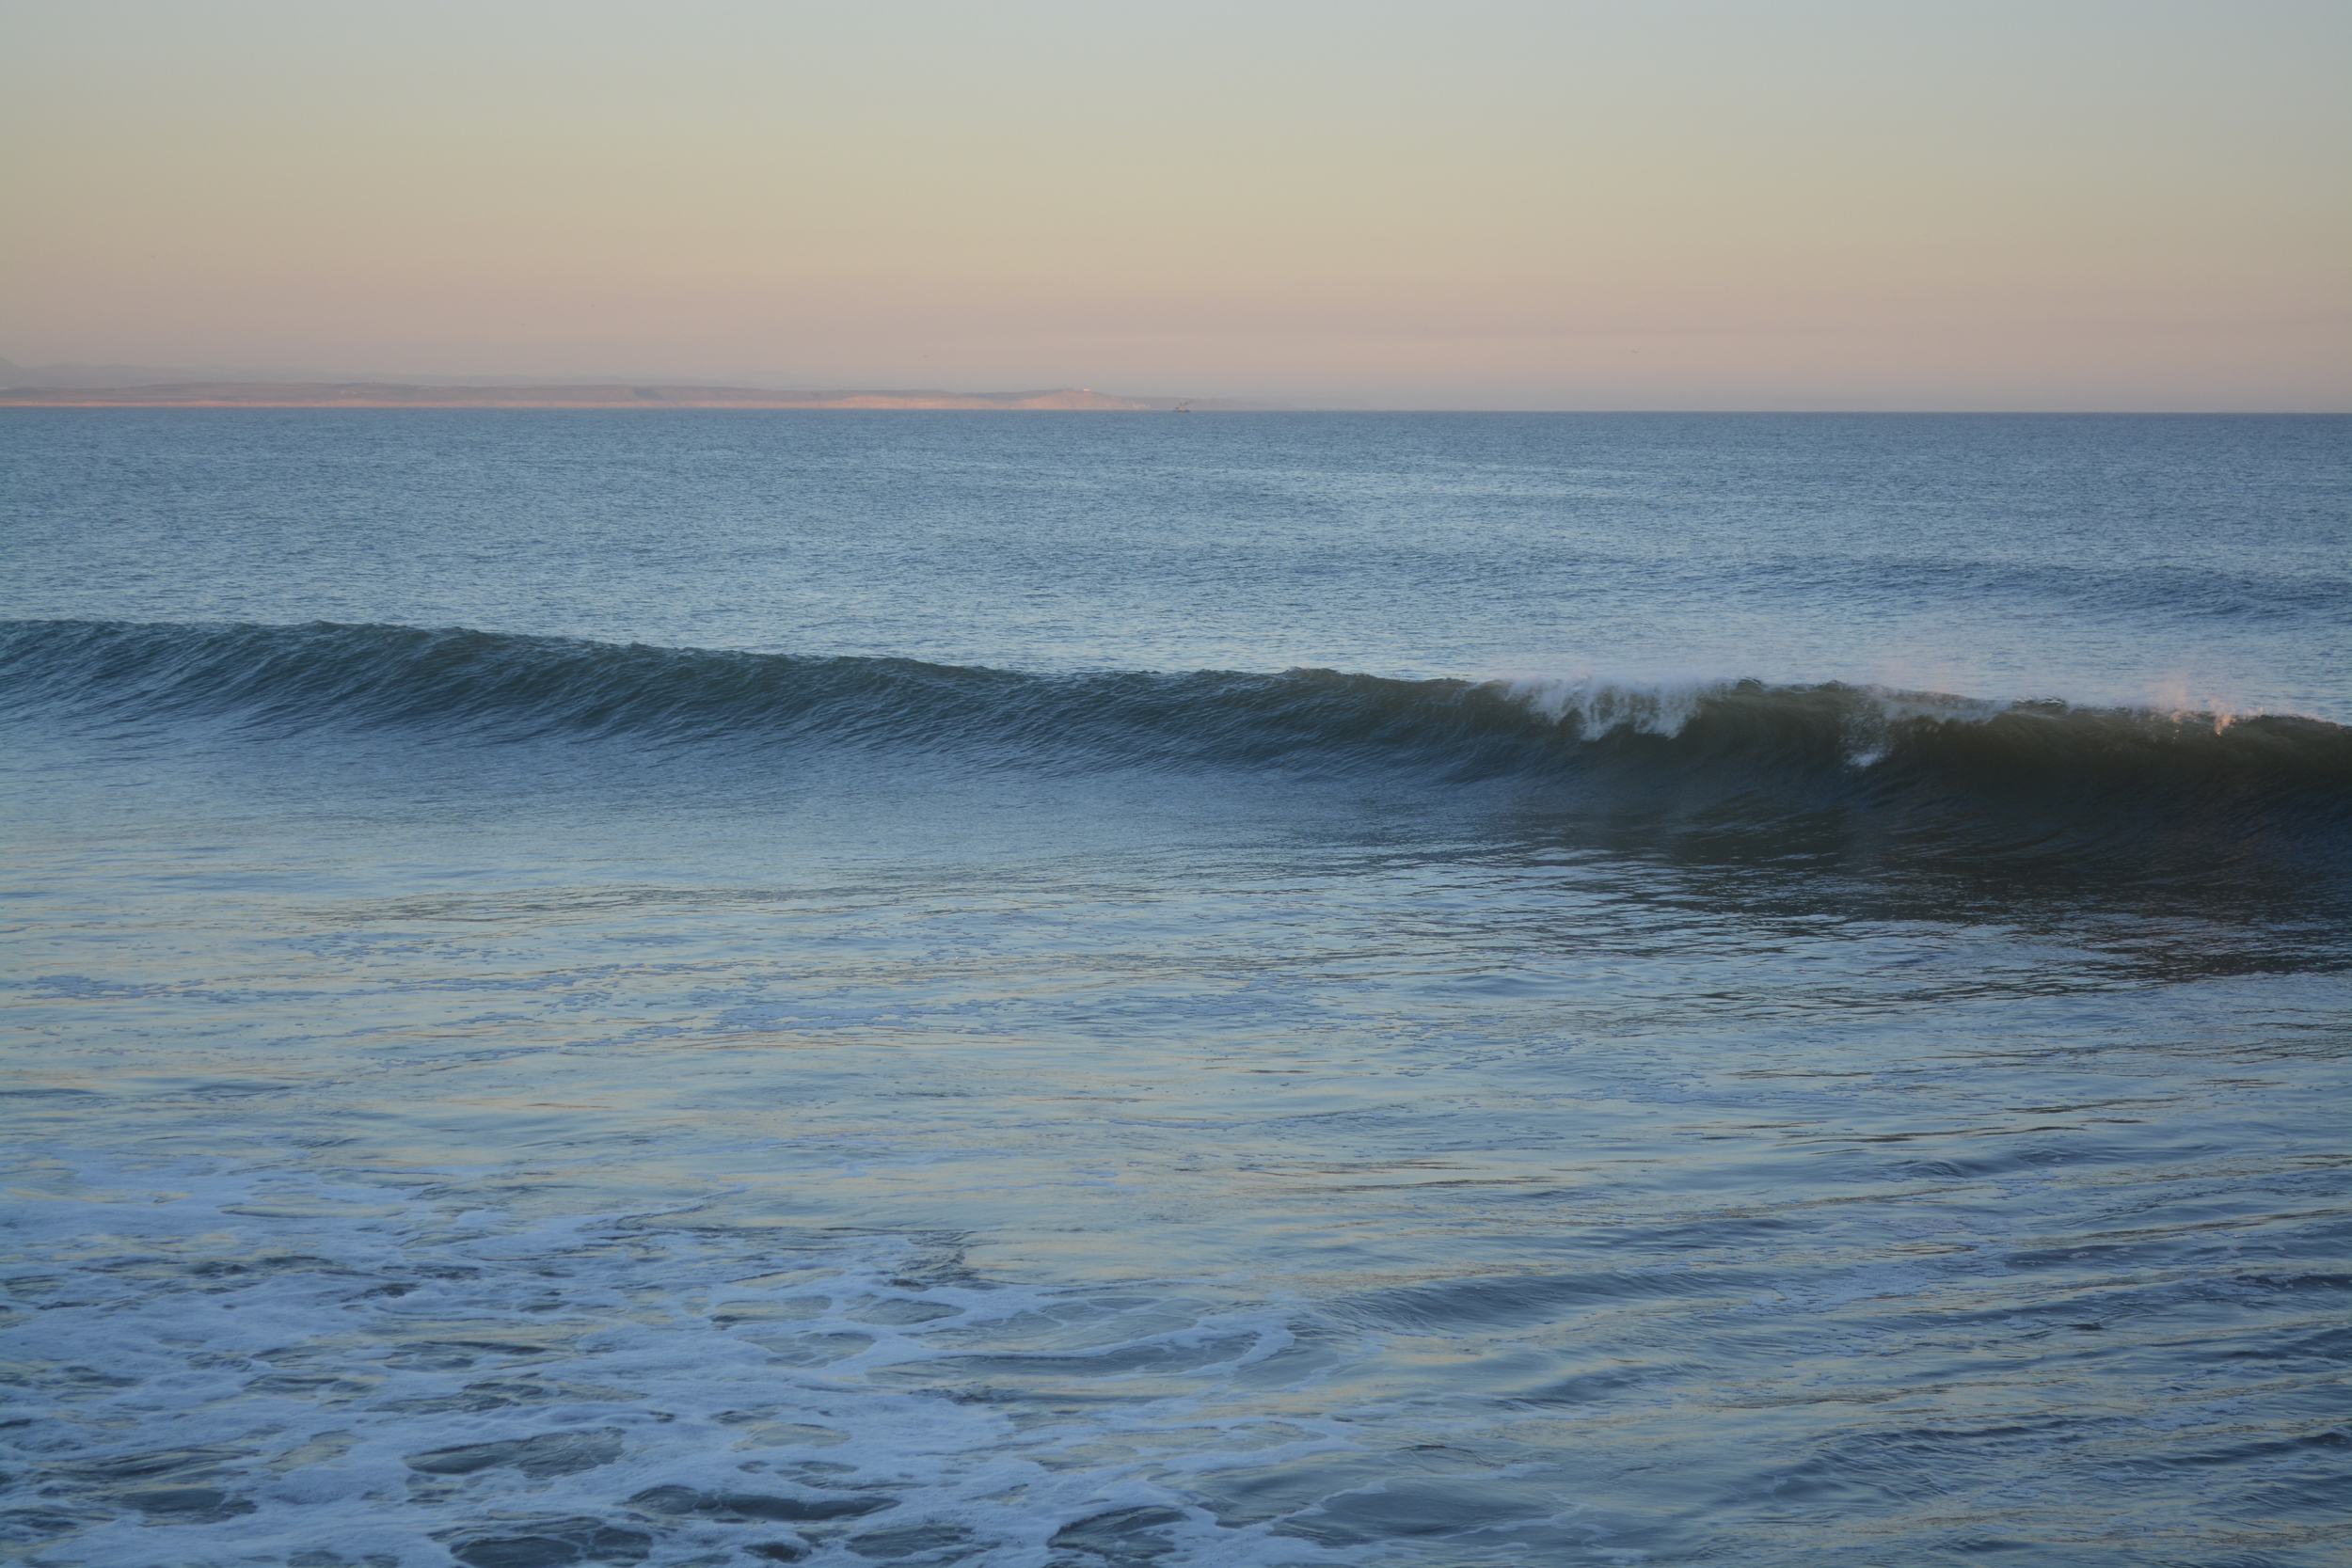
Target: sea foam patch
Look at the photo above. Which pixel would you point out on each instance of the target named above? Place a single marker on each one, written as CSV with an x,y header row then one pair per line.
x,y
444,1383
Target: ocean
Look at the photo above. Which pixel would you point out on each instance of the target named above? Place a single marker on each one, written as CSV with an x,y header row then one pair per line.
x,y
1137,990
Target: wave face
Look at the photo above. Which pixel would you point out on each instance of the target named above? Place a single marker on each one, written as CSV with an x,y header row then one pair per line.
x,y
1712,740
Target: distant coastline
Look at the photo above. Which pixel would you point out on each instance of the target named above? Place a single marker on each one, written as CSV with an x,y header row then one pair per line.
x,y
374,394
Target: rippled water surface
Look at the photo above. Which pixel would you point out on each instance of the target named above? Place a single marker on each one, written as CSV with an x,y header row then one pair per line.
x,y
1173,991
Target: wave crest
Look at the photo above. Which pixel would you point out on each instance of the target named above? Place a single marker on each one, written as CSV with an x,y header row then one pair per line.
x,y
1730,737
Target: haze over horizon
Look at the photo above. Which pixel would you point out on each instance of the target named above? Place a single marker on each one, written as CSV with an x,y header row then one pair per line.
x,y
1701,205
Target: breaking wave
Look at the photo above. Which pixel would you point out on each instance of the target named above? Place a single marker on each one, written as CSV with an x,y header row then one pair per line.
x,y
1733,737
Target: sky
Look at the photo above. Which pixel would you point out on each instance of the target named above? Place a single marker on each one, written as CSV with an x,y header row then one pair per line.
x,y
1904,204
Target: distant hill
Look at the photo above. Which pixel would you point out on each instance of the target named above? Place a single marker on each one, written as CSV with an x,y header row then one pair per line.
x,y
13,374
82,374
374,394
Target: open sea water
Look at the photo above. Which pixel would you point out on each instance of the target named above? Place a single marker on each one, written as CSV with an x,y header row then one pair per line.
x,y
1138,991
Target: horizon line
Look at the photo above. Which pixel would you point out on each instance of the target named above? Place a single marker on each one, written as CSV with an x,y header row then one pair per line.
x,y
710,397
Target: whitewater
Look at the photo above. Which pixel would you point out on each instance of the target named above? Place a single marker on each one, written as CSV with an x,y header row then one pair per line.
x,y
1104,990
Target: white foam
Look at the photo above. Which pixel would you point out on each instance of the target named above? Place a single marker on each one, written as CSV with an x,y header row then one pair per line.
x,y
1602,705
673,1358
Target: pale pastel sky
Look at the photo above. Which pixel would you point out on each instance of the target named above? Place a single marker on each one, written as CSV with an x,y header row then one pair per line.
x,y
1662,204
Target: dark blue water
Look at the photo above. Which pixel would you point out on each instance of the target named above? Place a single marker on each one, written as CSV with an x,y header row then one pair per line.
x,y
1084,991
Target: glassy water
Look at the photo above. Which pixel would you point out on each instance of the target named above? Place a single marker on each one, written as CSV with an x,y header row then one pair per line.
x,y
1111,991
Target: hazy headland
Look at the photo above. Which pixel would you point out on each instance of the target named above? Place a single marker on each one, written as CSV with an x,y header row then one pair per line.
x,y
371,394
